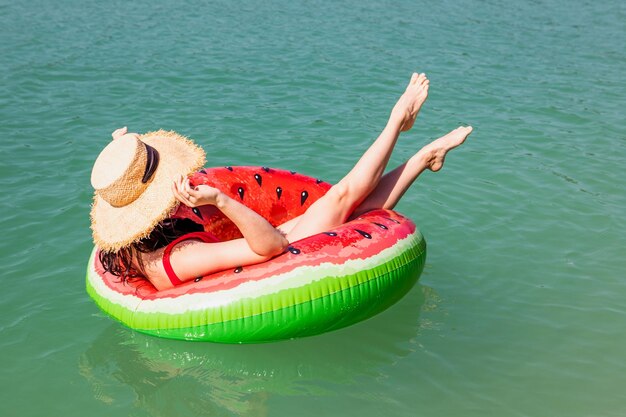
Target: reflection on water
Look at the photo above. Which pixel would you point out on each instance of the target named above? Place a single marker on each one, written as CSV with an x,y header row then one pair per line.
x,y
169,377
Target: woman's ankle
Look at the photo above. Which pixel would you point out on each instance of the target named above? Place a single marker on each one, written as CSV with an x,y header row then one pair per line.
x,y
395,123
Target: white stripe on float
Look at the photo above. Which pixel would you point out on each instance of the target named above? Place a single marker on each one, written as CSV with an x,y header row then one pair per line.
x,y
252,289
128,301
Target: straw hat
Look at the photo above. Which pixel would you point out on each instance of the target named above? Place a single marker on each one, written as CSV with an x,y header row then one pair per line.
x,y
132,178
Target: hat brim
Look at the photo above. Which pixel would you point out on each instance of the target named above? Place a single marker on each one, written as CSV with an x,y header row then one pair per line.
x,y
117,227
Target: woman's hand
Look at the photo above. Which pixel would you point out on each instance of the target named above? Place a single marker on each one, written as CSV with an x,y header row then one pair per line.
x,y
263,238
194,197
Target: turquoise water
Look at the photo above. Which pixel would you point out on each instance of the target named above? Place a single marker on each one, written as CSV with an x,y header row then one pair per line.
x,y
520,308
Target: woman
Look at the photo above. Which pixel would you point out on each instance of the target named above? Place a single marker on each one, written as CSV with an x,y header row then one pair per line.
x,y
132,204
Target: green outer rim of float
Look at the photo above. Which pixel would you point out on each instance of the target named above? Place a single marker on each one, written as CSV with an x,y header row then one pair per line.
x,y
325,304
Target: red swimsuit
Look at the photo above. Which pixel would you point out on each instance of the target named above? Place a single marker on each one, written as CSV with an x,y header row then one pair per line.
x,y
206,237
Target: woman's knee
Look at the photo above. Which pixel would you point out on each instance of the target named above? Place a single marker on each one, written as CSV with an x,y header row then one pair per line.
x,y
344,198
340,193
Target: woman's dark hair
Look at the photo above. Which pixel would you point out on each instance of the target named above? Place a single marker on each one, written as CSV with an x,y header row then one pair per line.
x,y
120,263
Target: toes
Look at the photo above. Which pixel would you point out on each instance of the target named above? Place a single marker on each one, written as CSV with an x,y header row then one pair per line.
x,y
419,79
466,130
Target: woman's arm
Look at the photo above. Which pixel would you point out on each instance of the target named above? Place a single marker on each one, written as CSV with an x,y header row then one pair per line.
x,y
192,258
263,238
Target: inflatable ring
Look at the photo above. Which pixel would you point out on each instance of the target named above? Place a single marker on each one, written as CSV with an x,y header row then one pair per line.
x,y
321,283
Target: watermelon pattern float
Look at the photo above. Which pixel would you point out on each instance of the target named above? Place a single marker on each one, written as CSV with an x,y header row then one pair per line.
x,y
321,283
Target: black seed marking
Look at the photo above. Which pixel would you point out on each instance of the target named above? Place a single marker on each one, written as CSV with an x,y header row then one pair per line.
x,y
203,171
393,220
303,196
333,234
229,168
293,250
382,226
198,279
292,172
258,179
240,192
238,269
317,181
279,192
196,212
364,234
266,169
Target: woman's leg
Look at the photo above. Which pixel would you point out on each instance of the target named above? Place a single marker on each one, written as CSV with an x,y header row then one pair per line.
x,y
339,202
394,184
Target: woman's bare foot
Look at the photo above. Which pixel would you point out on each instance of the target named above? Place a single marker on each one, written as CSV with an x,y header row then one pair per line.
x,y
406,109
434,154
